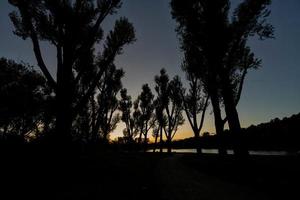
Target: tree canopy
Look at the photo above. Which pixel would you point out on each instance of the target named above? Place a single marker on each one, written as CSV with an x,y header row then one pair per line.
x,y
216,49
73,28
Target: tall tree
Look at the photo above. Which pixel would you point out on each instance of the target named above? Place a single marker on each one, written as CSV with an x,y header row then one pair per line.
x,y
105,117
73,28
169,95
173,110
159,121
196,52
146,106
131,119
161,88
99,117
195,102
155,134
221,46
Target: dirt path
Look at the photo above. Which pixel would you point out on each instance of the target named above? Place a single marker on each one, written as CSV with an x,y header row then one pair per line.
x,y
179,182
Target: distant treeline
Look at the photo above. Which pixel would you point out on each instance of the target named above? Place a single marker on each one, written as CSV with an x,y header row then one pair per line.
x,y
278,134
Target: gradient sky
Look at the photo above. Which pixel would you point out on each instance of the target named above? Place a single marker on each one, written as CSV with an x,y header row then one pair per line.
x,y
270,92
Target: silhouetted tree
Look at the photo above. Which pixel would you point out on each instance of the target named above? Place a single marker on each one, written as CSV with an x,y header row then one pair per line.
x,y
155,134
277,134
130,119
99,117
106,118
74,28
188,29
146,107
24,99
173,110
159,121
161,88
221,48
195,102
169,95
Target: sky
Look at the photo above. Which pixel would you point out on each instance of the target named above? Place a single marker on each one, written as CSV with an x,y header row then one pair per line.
x,y
270,92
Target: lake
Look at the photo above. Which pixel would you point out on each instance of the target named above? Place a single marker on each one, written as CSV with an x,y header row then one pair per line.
x,y
230,152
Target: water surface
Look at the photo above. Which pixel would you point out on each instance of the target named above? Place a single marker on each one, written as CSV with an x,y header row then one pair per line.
x,y
230,152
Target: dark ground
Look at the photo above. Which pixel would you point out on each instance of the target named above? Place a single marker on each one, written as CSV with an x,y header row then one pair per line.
x,y
147,176
270,177
102,176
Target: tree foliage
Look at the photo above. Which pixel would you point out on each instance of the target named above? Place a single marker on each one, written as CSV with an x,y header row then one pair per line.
x,y
73,28
24,99
170,105
146,107
100,116
131,119
216,47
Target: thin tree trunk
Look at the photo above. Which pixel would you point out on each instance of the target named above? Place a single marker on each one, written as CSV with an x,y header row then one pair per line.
x,y
145,140
169,139
155,142
96,129
161,139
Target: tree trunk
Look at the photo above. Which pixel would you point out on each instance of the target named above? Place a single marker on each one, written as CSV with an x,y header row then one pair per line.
x,y
218,124
64,101
95,130
198,143
169,145
145,143
63,119
161,139
155,142
140,137
240,148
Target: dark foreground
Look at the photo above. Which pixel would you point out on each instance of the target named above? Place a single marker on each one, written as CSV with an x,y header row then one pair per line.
x,y
147,176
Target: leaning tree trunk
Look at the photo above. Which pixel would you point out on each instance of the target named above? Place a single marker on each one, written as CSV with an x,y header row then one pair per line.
x,y
218,124
240,148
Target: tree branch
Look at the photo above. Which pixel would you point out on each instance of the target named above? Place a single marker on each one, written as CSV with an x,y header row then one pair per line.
x,y
36,46
39,58
93,85
241,86
87,44
187,111
203,114
239,92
